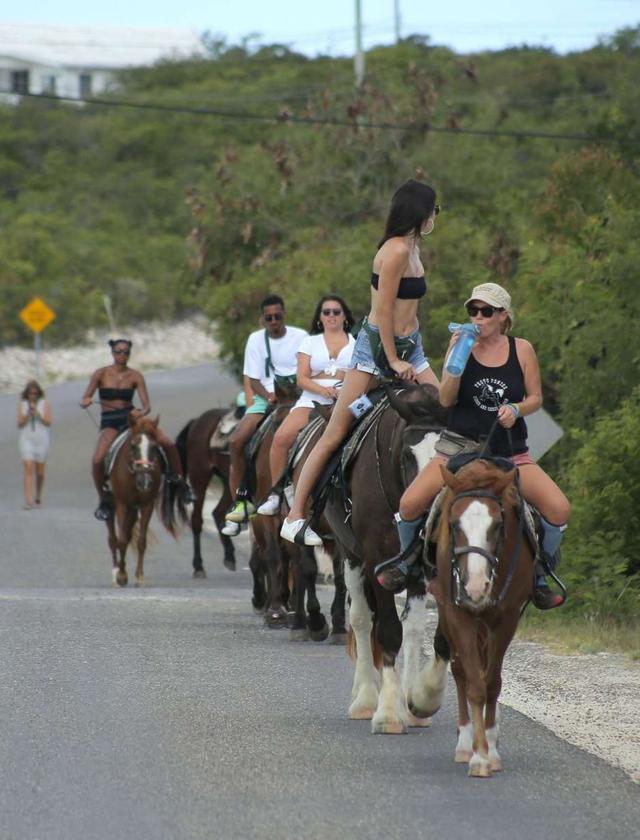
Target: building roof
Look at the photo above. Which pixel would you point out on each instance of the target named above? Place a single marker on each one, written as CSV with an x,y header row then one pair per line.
x,y
95,47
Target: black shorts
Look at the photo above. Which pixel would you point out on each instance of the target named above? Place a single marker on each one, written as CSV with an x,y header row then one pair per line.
x,y
117,419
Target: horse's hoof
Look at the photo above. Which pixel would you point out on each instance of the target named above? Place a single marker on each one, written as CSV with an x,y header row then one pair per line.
x,y
300,634
421,722
121,579
319,635
275,618
361,714
139,582
495,763
339,638
480,770
462,757
388,727
199,574
229,563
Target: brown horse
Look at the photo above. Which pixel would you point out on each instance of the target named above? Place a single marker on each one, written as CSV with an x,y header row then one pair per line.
x,y
201,462
361,516
485,579
136,482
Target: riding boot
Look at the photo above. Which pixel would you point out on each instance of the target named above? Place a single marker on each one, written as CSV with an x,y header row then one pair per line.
x,y
543,596
393,574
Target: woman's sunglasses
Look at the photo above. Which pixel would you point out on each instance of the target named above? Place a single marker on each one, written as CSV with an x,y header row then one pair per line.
x,y
332,312
485,311
120,352
277,316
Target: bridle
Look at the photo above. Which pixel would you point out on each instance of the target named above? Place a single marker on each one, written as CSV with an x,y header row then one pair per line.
x,y
457,597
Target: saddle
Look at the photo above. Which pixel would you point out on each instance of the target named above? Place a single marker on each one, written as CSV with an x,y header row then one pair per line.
x,y
225,428
113,450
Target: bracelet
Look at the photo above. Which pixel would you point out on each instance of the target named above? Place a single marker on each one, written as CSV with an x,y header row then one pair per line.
x,y
516,409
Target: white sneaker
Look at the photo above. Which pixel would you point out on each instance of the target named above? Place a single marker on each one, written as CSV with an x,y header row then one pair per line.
x,y
290,529
231,529
271,507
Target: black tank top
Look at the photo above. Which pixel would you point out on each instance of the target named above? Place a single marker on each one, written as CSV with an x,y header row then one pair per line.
x,y
480,388
125,394
410,288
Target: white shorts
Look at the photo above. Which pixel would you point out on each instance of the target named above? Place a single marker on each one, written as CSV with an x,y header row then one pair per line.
x,y
308,398
34,446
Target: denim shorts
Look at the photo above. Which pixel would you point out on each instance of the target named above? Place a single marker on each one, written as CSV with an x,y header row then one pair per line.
x,y
362,358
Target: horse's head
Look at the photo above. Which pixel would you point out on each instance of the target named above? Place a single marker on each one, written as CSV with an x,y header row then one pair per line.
x,y
475,512
419,407
144,449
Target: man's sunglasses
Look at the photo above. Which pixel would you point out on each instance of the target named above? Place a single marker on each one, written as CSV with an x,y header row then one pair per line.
x,y
332,311
277,316
485,311
120,352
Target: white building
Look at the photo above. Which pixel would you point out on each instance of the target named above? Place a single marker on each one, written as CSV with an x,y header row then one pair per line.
x,y
80,61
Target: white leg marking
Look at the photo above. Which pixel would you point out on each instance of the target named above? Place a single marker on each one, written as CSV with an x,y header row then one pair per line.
x,y
426,693
494,756
424,451
391,715
475,523
414,620
464,747
364,694
479,766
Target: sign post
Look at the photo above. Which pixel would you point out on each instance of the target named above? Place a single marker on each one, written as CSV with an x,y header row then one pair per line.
x,y
37,316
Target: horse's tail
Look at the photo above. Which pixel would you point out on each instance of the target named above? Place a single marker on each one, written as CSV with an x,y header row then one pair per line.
x,y
172,509
181,445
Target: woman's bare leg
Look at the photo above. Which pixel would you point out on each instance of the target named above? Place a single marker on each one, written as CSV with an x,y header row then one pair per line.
x,y
105,439
356,383
39,482
28,482
543,493
428,377
419,495
284,439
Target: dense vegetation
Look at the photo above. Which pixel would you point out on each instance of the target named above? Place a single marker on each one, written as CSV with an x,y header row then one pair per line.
x,y
168,211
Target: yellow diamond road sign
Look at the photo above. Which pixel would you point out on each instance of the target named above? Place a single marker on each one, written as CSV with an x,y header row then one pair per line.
x,y
37,315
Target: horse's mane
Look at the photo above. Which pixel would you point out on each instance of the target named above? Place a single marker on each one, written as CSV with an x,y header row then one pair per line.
x,y
145,426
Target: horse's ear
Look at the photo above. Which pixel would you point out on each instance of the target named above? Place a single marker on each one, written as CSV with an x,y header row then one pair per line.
x,y
504,481
449,478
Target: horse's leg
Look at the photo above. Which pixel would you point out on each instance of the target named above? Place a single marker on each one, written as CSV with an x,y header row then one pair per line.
x,y
276,614
229,559
113,546
413,629
126,519
464,744
338,617
364,693
499,640
391,716
145,516
318,627
465,633
198,483
256,564
427,688
298,624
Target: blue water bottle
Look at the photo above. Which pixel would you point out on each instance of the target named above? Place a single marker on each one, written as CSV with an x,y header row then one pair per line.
x,y
461,351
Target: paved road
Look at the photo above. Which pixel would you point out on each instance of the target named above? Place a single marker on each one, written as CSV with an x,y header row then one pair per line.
x,y
171,712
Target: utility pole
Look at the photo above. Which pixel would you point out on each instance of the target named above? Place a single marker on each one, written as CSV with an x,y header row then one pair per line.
x,y
396,10
358,60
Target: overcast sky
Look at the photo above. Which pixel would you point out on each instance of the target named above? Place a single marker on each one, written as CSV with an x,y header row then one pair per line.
x,y
327,25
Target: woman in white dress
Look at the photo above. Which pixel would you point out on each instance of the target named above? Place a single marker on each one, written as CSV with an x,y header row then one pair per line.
x,y
323,359
34,420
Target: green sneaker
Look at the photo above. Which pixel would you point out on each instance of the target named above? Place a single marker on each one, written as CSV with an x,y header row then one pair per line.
x,y
241,511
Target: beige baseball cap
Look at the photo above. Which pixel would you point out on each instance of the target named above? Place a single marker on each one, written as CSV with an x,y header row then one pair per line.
x,y
492,294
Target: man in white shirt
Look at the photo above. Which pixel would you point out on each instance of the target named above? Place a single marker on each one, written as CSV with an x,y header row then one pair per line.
x,y
269,351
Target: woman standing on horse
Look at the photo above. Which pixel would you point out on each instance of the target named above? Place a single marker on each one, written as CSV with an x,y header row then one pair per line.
x,y
323,358
498,388
116,385
389,343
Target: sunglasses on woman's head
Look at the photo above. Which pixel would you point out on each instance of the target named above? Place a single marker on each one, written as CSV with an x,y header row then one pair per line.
x,y
277,316
485,311
332,311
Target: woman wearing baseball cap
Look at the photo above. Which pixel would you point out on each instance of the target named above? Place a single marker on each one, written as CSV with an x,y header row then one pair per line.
x,y
501,380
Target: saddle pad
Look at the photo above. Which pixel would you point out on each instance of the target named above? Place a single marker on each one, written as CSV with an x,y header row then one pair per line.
x,y
359,434
302,442
222,432
115,447
259,435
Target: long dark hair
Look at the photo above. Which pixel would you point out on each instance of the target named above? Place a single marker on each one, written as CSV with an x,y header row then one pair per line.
x,y
411,206
32,383
316,324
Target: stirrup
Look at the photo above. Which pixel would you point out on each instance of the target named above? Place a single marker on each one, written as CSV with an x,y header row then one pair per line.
x,y
393,574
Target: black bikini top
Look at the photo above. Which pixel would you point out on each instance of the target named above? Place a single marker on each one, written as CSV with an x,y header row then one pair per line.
x,y
410,288
110,394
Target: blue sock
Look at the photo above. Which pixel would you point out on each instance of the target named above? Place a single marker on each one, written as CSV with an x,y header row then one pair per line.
x,y
551,539
407,529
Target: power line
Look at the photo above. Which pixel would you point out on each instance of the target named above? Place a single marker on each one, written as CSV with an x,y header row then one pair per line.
x,y
296,120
